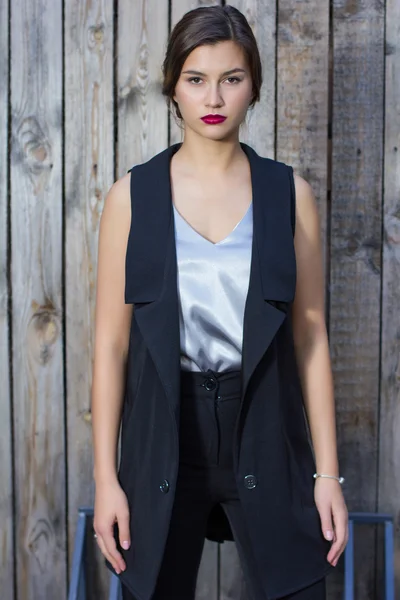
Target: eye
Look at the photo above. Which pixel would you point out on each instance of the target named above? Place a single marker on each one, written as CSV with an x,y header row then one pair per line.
x,y
191,79
235,79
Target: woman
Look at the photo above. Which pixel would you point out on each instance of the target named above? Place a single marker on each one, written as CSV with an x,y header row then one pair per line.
x,y
218,250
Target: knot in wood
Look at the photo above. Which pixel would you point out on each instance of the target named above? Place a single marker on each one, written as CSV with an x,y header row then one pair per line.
x,y
43,333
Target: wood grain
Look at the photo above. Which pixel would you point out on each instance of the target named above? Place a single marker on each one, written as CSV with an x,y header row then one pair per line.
x,y
356,242
89,173
37,308
303,96
141,109
389,421
336,86
6,516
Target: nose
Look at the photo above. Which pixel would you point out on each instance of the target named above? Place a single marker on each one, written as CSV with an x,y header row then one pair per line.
x,y
214,97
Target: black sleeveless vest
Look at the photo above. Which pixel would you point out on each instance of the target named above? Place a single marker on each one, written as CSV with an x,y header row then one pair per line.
x,y
271,440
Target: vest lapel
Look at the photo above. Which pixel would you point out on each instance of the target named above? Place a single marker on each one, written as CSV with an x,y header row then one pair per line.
x,y
273,268
151,266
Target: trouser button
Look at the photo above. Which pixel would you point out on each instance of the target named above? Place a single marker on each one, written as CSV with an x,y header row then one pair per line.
x,y
210,384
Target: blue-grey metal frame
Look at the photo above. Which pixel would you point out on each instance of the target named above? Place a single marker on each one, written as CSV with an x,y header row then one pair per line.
x,y
369,518
77,588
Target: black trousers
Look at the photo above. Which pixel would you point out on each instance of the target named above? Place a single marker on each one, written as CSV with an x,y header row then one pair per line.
x,y
209,405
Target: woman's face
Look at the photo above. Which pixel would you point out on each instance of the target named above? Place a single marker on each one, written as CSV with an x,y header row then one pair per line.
x,y
214,80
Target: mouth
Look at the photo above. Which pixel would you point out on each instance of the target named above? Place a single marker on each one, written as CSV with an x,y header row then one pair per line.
x,y
213,119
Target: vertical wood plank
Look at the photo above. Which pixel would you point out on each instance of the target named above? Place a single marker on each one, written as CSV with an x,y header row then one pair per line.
x,y
89,173
6,516
302,95
356,258
142,111
37,311
232,582
389,427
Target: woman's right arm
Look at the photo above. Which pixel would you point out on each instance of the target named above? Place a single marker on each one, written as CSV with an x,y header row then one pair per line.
x,y
112,328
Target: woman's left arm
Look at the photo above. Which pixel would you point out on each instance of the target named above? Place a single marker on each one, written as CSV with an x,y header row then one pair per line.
x,y
314,365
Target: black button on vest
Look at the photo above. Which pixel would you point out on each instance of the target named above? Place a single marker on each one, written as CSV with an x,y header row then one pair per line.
x,y
250,481
164,487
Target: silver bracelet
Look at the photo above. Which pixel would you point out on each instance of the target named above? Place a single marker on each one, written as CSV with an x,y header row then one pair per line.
x,y
339,479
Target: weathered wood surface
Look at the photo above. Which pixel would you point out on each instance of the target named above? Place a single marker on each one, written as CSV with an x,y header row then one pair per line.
x,y
389,416
332,119
141,110
6,517
303,97
37,300
355,273
89,173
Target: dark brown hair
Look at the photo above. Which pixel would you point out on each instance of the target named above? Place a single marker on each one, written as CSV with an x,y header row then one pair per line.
x,y
209,25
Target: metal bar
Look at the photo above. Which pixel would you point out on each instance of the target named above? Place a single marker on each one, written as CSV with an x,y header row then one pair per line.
x,y
367,517
115,588
77,588
349,564
389,560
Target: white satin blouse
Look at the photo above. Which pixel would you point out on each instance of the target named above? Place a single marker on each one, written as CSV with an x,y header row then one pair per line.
x,y
213,281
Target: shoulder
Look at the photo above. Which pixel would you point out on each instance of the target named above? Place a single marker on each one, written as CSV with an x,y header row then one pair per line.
x,y
307,215
153,161
305,197
117,204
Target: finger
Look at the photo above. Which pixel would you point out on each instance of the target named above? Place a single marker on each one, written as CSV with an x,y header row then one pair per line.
x,y
326,523
328,530
341,535
123,528
334,552
111,548
106,554
343,540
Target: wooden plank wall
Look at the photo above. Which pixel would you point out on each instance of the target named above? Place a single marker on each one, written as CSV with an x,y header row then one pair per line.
x,y
37,308
89,173
81,104
388,492
6,509
356,245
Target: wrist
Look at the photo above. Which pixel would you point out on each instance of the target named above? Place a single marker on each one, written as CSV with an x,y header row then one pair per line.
x,y
338,478
105,477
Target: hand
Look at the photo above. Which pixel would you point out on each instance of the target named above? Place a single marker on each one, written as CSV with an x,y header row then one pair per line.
x,y
334,515
111,506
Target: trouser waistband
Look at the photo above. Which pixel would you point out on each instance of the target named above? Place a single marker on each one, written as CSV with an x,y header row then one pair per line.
x,y
226,383
209,406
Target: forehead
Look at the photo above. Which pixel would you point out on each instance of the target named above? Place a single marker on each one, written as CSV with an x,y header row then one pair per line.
x,y
216,58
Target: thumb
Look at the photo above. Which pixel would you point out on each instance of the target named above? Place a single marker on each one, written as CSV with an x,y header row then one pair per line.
x,y
123,529
326,523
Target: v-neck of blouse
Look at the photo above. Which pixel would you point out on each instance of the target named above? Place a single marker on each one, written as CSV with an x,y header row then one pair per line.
x,y
202,237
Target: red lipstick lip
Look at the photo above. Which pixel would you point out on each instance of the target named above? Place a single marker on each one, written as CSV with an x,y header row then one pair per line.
x,y
213,119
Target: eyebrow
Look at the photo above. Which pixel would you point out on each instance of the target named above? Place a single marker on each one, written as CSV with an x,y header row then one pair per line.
x,y
192,72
